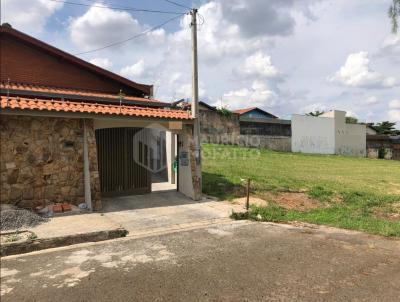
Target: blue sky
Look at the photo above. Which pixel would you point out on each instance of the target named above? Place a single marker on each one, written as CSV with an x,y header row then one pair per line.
x,y
284,56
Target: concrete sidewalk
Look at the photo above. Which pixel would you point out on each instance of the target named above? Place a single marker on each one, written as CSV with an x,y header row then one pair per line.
x,y
139,215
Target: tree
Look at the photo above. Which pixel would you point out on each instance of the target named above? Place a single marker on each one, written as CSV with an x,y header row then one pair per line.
x,y
351,120
394,15
387,128
315,113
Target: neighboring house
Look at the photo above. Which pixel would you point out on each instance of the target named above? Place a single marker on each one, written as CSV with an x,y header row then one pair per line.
x,y
383,146
214,127
328,134
255,121
72,131
186,105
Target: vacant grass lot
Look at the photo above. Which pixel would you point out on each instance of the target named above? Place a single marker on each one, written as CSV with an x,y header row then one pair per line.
x,y
355,193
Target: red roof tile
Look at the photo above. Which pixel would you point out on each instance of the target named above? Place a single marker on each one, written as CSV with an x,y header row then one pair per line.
x,y
15,103
20,87
243,111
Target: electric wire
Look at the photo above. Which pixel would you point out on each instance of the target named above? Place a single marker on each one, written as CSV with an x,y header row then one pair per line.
x,y
131,38
117,7
177,4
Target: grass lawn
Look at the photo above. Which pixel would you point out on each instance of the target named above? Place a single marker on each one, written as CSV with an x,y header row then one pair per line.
x,y
355,193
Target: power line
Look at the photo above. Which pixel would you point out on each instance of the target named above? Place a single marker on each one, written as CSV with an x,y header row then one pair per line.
x,y
177,4
131,38
118,8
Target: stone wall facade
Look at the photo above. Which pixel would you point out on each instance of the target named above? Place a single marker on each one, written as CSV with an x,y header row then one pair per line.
x,y
41,158
219,129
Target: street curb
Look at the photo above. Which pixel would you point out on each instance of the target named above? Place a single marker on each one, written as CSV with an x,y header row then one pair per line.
x,y
14,248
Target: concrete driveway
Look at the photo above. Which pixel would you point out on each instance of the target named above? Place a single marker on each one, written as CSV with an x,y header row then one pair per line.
x,y
161,211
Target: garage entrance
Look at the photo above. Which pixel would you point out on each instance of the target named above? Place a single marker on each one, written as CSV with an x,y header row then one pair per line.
x,y
123,158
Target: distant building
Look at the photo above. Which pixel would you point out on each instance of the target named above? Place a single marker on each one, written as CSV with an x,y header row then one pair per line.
x,y
255,121
383,146
328,134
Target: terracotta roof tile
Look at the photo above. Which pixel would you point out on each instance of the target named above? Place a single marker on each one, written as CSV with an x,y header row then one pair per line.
x,y
67,91
15,103
245,110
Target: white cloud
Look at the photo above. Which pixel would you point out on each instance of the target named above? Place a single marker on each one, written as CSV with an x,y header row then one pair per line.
x,y
102,62
356,72
313,107
28,15
350,113
372,100
259,95
394,116
394,104
259,65
185,91
102,26
391,44
134,71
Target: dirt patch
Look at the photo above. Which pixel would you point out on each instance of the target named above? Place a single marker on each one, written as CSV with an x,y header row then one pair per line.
x,y
298,201
390,213
252,201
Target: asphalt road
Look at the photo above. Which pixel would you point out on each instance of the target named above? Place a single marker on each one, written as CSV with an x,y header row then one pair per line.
x,y
234,262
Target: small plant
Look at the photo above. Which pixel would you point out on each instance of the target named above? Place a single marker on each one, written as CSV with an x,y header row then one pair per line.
x,y
320,193
240,215
32,236
271,213
223,111
13,237
381,153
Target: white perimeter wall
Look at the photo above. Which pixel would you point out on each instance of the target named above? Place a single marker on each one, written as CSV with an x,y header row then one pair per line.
x,y
328,134
313,134
350,139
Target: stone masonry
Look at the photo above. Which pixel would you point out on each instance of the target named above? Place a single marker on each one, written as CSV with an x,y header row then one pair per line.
x,y
42,159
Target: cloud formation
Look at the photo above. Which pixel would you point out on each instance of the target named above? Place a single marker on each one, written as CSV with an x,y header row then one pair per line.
x,y
28,17
259,65
102,62
356,72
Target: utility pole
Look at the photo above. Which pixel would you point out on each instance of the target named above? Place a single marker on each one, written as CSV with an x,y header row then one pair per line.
x,y
195,99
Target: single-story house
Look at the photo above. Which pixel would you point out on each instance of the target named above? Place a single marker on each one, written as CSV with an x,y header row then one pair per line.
x,y
255,121
72,131
328,134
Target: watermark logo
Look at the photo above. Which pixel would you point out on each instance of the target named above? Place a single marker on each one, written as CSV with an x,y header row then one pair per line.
x,y
150,148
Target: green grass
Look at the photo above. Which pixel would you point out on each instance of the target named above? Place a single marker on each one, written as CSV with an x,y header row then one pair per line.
x,y
363,185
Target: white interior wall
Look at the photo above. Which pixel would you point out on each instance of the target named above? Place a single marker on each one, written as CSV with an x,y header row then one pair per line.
x,y
171,142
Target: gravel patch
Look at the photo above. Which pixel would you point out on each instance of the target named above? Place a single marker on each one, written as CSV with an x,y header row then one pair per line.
x,y
12,218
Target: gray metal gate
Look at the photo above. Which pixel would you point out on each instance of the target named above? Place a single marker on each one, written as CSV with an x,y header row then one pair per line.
x,y
123,158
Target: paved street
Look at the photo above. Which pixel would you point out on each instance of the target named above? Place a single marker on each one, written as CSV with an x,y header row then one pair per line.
x,y
239,261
